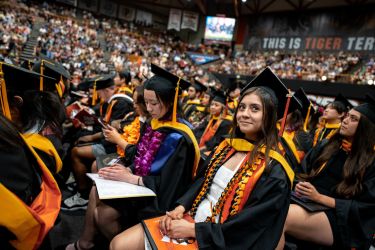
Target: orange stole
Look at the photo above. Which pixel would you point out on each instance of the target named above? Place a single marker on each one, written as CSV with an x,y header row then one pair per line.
x,y
209,132
154,235
31,224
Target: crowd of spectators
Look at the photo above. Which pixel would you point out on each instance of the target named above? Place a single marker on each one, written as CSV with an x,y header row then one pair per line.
x,y
15,27
75,43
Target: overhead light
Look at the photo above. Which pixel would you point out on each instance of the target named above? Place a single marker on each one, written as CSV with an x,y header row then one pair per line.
x,y
244,1
324,78
370,82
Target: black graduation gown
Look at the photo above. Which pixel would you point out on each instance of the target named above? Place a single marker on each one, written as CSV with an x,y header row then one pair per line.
x,y
258,225
119,110
172,182
355,217
221,131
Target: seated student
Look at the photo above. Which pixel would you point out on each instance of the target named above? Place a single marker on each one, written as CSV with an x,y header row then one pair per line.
x,y
115,106
194,104
242,201
218,124
122,82
31,110
131,131
294,140
340,174
30,197
164,160
332,116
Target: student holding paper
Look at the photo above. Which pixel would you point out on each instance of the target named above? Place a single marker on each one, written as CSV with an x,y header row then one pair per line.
x,y
243,199
164,160
340,174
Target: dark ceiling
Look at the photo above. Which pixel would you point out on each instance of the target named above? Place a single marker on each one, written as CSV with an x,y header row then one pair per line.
x,y
236,8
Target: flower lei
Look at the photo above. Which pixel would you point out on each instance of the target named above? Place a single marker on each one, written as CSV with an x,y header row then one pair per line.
x,y
241,178
146,150
130,134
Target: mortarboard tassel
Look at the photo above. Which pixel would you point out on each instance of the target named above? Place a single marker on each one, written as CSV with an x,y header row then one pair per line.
x,y
307,118
175,102
4,95
289,96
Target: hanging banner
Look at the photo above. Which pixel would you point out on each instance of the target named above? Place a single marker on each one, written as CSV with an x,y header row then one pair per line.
x,y
143,17
341,29
200,59
174,21
126,13
108,8
190,20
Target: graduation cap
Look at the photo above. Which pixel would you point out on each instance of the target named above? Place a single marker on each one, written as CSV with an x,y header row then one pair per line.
x,y
199,86
285,102
52,69
27,64
368,108
235,82
219,96
343,100
306,105
86,84
101,82
164,81
125,74
18,80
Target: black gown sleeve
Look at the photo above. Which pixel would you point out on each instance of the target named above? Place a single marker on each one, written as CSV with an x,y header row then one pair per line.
x,y
173,181
218,137
258,225
356,217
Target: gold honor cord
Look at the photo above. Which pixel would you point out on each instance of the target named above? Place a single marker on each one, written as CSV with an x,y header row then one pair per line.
x,y
41,75
4,95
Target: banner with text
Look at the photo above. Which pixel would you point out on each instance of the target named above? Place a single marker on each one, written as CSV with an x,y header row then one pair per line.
x,y
174,21
190,20
345,29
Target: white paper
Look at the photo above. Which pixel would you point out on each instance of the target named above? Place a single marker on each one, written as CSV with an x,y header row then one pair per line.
x,y
108,189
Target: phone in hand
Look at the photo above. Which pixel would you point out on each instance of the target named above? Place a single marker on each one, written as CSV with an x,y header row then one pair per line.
x,y
103,123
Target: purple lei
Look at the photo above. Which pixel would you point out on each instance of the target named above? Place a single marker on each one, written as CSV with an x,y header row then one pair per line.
x,y
146,151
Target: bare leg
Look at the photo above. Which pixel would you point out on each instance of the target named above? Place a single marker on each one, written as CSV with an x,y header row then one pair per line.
x,y
107,220
303,225
132,238
86,240
94,168
79,168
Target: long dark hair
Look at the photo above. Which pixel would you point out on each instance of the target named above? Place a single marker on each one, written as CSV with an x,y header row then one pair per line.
x,y
268,134
9,135
42,106
359,159
140,100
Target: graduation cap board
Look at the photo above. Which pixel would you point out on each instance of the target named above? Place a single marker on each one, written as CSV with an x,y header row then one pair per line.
x,y
219,96
306,105
343,100
18,80
368,108
52,69
281,96
199,86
